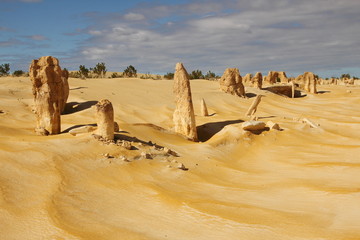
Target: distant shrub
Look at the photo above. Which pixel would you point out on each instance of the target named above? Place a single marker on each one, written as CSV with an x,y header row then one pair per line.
x,y
146,76
210,75
74,75
18,73
345,75
83,71
116,75
196,74
130,71
169,76
99,70
4,69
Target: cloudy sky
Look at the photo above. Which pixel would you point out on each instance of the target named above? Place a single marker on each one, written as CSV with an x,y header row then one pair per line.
x,y
322,36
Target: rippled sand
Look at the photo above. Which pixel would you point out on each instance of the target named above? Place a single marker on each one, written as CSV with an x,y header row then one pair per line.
x,y
299,183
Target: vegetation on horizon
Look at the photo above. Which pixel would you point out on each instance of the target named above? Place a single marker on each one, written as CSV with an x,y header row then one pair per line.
x,y
4,69
130,71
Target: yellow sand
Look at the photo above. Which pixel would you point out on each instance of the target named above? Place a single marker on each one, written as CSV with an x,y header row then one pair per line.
x,y
299,183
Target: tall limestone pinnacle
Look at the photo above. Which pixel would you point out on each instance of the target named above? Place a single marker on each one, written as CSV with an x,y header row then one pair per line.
x,y
50,89
184,117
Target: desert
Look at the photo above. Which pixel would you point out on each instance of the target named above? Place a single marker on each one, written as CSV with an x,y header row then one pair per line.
x,y
179,120
299,181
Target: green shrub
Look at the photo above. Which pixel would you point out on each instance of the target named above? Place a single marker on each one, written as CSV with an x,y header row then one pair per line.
x,y
4,69
100,70
196,74
130,71
169,76
18,73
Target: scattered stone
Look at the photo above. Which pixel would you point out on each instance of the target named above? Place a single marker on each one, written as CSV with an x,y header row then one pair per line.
x,y
253,125
96,136
105,119
182,167
311,123
231,82
83,129
127,145
348,91
50,90
271,125
145,155
184,117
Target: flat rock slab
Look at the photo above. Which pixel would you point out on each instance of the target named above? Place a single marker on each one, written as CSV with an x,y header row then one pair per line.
x,y
253,125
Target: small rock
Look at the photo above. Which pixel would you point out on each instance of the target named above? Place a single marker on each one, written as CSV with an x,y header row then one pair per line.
x,y
145,155
348,91
126,145
273,125
96,136
42,131
253,125
83,129
182,167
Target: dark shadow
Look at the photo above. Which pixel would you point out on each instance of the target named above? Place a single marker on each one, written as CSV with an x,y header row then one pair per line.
x,y
77,126
77,88
322,92
73,107
266,117
212,114
207,130
250,95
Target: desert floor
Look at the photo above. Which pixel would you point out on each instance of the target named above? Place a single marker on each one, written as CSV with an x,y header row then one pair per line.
x,y
299,183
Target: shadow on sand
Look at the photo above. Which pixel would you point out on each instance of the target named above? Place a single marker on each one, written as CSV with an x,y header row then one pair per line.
x,y
77,126
207,130
73,107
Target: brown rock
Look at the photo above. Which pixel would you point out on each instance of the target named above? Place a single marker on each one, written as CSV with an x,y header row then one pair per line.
x,y
257,80
272,77
273,126
50,90
247,78
184,117
307,82
283,78
105,119
231,82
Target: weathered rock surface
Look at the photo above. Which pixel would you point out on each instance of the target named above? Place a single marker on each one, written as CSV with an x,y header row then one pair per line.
x,y
231,82
307,82
284,90
247,78
257,80
253,125
51,90
104,113
272,77
253,107
273,126
283,78
203,108
184,117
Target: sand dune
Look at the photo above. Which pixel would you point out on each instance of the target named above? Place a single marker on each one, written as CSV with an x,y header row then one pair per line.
x,y
299,183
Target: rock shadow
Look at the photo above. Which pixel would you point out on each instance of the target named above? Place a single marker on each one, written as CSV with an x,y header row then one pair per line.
x,y
73,107
322,92
77,88
207,130
250,95
77,126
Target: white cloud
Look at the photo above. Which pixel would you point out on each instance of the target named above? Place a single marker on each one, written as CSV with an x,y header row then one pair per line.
x,y
254,36
134,16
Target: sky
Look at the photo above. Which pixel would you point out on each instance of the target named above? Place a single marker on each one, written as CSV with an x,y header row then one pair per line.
x,y
320,36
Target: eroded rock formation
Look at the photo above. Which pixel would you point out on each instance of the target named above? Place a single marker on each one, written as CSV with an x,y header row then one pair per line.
x,y
307,81
272,77
247,78
184,117
257,80
283,78
51,90
231,82
104,113
203,108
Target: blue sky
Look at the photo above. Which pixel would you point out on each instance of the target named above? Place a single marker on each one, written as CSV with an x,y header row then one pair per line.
x,y
322,36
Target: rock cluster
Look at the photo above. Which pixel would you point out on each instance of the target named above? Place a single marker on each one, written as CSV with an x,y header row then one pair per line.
x,y
50,88
184,117
272,77
231,82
